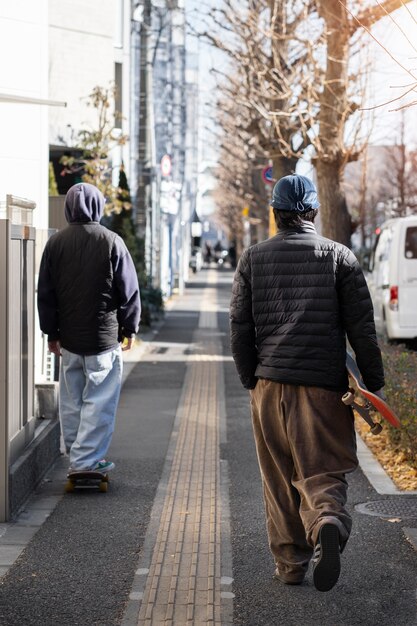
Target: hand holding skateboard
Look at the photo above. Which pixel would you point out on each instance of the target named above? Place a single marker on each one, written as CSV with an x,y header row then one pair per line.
x,y
371,400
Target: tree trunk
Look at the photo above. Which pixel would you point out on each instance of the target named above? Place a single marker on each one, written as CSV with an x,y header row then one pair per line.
x,y
283,166
334,215
283,163
335,110
333,113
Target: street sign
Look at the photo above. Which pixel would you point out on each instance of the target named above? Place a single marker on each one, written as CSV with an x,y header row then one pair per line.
x,y
267,175
166,165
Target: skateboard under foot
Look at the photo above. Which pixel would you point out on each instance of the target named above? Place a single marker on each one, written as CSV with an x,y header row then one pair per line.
x,y
87,480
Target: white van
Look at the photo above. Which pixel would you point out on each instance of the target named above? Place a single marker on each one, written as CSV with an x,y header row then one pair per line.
x,y
392,278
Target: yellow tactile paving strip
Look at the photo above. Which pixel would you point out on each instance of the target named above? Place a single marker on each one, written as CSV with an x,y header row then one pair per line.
x,y
183,585
184,574
179,580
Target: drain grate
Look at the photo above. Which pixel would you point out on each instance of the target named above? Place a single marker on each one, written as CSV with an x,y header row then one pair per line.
x,y
394,507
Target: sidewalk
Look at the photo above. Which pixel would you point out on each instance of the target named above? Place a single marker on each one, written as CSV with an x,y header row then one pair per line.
x,y
180,536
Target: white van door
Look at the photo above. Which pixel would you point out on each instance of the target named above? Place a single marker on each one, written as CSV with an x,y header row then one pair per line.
x,y
408,277
379,284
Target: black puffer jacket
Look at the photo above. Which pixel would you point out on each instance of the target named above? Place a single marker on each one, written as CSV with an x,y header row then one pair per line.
x,y
295,298
88,292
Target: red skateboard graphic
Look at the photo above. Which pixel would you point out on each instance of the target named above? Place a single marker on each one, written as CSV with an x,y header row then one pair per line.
x,y
371,401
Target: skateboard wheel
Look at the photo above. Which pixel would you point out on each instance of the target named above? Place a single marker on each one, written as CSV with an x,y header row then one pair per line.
x,y
103,486
348,398
376,428
69,486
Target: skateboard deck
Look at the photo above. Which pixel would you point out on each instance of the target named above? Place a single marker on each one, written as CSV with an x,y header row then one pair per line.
x,y
371,401
86,480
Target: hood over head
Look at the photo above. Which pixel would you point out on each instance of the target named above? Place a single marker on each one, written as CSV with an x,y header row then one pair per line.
x,y
84,203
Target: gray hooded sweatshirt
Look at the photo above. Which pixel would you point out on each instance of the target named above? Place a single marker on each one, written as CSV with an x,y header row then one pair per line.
x,y
88,292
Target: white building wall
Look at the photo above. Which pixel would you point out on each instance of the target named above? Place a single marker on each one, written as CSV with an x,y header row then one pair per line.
x,y
81,57
23,126
122,53
86,38
206,205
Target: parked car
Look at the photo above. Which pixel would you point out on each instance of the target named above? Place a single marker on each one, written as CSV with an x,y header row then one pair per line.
x,y
392,278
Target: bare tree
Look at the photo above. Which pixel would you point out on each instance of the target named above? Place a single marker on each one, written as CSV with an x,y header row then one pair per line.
x,y
240,185
292,75
340,25
401,173
368,191
95,144
257,103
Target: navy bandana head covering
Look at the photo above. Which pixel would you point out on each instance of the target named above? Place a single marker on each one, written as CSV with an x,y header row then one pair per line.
x,y
295,193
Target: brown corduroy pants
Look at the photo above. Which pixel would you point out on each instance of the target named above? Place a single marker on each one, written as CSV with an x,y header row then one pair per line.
x,y
306,443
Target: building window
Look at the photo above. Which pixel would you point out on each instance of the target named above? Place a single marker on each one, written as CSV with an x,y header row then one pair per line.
x,y
118,34
118,102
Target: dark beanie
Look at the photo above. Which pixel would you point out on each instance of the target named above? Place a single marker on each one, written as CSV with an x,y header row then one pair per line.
x,y
295,193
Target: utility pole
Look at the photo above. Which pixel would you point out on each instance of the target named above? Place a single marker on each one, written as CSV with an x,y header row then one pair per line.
x,y
142,192
362,202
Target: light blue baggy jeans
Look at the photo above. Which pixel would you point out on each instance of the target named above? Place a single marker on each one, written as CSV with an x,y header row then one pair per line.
x,y
89,391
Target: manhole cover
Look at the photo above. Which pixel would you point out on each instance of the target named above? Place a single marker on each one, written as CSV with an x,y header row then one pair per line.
x,y
398,507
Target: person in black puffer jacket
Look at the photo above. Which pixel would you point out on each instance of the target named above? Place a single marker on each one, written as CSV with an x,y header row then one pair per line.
x,y
295,299
88,303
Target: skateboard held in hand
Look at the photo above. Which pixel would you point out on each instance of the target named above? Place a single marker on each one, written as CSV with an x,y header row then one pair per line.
x,y
370,400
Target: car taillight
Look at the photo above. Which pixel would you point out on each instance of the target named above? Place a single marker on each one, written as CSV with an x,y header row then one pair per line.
x,y
393,298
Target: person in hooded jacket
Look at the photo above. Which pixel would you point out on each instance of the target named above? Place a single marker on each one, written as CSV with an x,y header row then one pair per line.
x,y
89,304
295,298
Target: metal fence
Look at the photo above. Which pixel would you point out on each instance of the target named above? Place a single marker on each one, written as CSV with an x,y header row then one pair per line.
x,y
57,219
17,319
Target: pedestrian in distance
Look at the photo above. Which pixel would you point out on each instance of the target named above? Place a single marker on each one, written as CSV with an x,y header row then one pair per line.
x,y
295,298
89,307
207,253
232,254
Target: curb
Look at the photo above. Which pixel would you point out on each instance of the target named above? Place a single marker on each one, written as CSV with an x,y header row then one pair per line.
x,y
375,473
382,483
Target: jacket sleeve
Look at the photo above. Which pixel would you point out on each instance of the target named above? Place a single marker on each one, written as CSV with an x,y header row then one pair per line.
x,y
127,287
47,300
358,319
242,325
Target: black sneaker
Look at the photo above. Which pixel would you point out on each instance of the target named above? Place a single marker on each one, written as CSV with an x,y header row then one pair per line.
x,y
326,558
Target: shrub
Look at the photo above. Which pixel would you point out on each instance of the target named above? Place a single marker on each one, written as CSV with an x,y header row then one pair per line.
x,y
401,390
152,304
